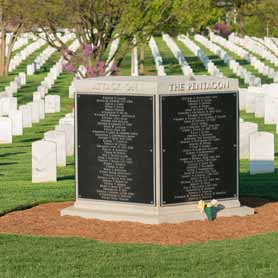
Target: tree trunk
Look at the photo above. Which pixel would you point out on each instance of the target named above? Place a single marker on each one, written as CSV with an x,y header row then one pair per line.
x,y
3,51
142,60
241,24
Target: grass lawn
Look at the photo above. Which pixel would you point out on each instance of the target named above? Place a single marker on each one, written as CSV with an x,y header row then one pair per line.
x,y
220,64
262,185
247,65
26,256
36,257
170,63
193,61
16,189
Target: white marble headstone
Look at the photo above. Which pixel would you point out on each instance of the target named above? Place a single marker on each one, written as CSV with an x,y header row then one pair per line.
x,y
44,162
35,105
246,128
50,104
5,130
42,109
68,129
59,138
26,115
17,122
261,153
271,109
57,103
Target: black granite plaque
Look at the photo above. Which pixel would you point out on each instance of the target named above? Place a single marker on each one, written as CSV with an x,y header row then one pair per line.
x,y
115,148
199,147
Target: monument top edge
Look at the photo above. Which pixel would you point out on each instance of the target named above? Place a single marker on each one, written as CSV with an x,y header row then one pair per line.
x,y
155,84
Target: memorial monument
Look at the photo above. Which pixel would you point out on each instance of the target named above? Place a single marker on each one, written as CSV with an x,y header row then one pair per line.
x,y
149,148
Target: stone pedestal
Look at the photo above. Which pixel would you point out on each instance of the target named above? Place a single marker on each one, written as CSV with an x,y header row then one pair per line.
x,y
149,148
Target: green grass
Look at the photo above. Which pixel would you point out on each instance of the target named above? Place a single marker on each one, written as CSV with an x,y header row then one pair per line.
x,y
38,257
220,64
170,63
247,65
193,61
149,65
21,68
261,185
26,256
15,159
267,62
16,189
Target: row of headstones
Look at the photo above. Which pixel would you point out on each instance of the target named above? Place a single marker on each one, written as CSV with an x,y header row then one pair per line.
x,y
24,53
209,65
20,79
257,147
244,54
31,112
13,120
256,47
262,101
51,152
270,43
236,68
157,57
185,67
14,85
45,55
20,42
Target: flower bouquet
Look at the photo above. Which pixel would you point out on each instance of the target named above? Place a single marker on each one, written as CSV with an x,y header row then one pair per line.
x,y
208,208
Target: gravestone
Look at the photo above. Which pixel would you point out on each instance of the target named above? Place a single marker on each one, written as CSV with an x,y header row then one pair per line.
x,y
26,115
35,105
30,69
261,153
36,96
271,108
59,139
50,104
42,109
68,129
8,104
57,100
44,161
149,148
250,102
17,122
246,128
5,130
260,105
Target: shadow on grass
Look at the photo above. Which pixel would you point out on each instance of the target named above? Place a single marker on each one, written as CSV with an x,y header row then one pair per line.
x,y
8,163
9,154
71,177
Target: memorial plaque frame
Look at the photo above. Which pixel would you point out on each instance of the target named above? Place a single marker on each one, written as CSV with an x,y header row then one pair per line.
x,y
153,99
236,196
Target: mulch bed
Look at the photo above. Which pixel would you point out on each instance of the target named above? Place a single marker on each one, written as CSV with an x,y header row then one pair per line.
x,y
45,220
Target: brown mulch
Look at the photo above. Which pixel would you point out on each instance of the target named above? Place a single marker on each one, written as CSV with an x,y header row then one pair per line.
x,y
45,220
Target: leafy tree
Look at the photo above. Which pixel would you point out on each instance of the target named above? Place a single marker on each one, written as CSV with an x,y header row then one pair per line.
x,y
96,24
265,20
239,10
13,21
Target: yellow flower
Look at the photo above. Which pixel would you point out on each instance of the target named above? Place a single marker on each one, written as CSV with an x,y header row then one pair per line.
x,y
201,205
214,203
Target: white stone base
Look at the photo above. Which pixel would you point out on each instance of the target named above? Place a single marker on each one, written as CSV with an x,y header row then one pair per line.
x,y
150,215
